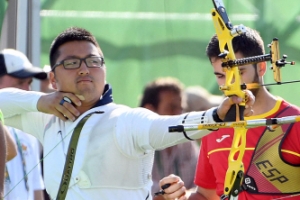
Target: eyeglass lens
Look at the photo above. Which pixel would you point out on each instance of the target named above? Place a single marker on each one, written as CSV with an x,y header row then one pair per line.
x,y
90,62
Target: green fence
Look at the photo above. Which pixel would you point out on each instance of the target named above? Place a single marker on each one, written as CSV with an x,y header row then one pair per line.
x,y
143,40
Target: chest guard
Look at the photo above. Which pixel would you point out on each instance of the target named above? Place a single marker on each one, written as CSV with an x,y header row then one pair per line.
x,y
267,172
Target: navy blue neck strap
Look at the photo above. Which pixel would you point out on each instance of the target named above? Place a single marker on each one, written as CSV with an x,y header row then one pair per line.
x,y
106,96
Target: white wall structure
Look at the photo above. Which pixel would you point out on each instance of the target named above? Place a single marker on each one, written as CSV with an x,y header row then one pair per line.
x,y
21,30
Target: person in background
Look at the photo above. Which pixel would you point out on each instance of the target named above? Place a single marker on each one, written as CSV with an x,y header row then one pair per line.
x,y
8,151
45,85
271,160
165,96
23,177
199,99
2,159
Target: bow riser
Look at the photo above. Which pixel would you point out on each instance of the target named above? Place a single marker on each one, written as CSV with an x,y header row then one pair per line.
x,y
233,84
232,87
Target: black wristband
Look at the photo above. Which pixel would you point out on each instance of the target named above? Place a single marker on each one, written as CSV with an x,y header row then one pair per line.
x,y
216,116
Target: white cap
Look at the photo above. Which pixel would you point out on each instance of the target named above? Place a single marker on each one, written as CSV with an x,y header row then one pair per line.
x,y
16,64
47,68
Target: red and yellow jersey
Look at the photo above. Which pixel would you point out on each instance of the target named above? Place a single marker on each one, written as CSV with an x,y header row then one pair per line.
x,y
215,147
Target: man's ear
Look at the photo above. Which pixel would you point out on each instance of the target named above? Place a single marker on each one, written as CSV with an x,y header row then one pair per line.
x,y
52,80
150,107
261,68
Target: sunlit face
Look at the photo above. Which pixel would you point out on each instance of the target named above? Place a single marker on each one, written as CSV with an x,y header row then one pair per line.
x,y
248,73
9,81
84,80
170,103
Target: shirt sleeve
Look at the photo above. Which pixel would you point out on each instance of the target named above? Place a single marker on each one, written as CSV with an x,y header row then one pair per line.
x,y
204,176
148,131
19,108
14,101
161,138
38,183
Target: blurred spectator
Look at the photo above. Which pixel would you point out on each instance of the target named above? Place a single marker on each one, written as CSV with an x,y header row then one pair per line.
x,y
165,97
8,151
46,86
199,99
23,177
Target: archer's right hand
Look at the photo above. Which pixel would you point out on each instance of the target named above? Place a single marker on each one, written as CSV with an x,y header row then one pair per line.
x,y
53,103
229,101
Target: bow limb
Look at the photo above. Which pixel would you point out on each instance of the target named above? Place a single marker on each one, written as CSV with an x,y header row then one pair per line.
x,y
235,171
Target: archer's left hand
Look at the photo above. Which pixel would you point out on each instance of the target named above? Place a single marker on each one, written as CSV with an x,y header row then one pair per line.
x,y
229,101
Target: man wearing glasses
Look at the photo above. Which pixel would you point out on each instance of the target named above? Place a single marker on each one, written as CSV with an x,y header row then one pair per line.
x,y
113,155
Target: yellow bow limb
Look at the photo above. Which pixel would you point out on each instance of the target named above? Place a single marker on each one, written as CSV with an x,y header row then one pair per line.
x,y
235,171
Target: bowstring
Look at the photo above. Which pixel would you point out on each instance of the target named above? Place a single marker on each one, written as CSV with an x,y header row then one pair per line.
x,y
281,83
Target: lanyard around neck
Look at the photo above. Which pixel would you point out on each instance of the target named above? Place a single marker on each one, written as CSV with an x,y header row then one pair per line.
x,y
24,168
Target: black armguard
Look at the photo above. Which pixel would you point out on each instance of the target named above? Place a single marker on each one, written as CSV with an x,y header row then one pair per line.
x,y
216,116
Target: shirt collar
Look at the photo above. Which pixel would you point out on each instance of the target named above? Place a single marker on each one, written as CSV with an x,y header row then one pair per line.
x,y
106,97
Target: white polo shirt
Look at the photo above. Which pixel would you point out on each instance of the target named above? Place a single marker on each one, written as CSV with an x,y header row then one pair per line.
x,y
14,181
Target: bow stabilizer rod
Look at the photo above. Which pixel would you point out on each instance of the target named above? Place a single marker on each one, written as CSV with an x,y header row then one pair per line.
x,y
271,123
276,62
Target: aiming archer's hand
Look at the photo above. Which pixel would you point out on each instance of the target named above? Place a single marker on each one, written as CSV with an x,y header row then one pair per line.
x,y
229,101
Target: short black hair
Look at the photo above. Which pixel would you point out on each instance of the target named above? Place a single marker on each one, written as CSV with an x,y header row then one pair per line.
x,y
248,44
68,35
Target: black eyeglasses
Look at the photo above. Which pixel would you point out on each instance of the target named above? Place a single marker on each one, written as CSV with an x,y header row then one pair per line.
x,y
75,63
